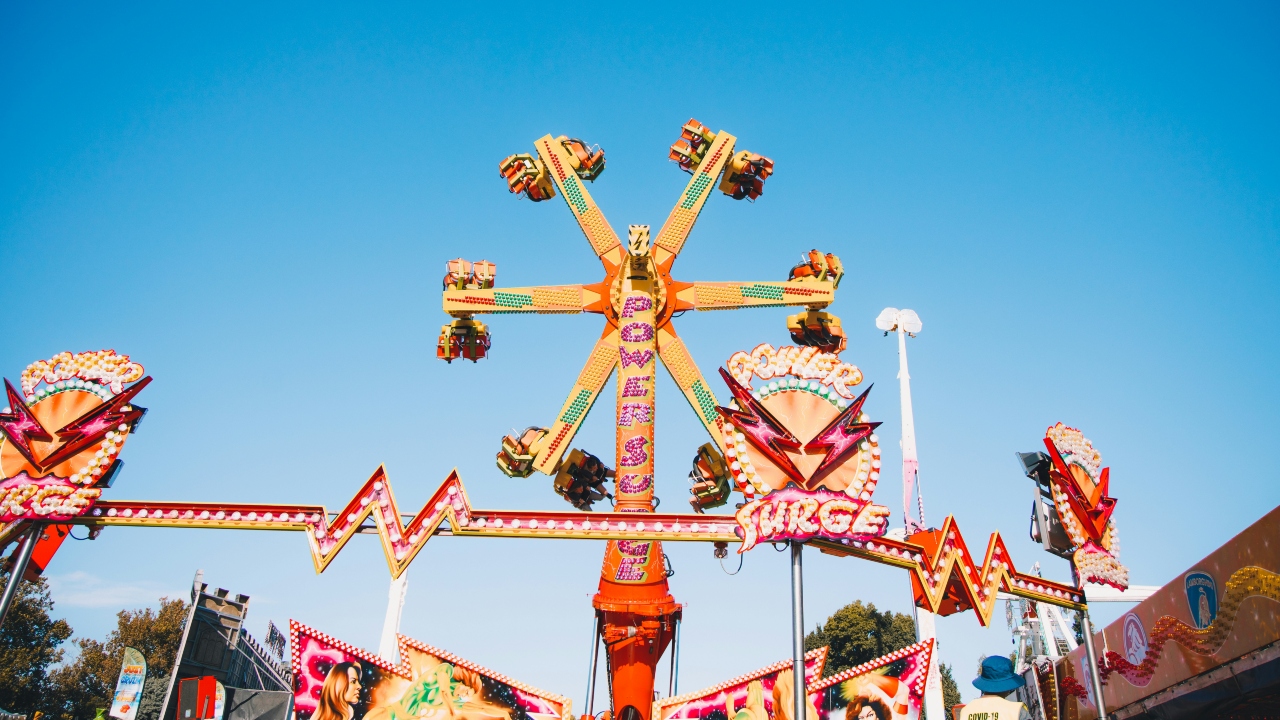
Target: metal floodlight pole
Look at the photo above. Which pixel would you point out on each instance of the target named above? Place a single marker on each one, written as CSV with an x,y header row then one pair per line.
x,y
675,653
904,323
595,658
22,557
675,662
1092,656
797,631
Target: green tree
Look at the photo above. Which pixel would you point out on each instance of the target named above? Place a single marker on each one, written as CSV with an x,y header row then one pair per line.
x,y
89,682
29,644
858,633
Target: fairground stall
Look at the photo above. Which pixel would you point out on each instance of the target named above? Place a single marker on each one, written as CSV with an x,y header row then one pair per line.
x,y
1202,646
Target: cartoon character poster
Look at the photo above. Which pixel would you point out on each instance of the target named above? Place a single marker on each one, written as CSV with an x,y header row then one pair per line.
x,y
335,681
766,694
887,688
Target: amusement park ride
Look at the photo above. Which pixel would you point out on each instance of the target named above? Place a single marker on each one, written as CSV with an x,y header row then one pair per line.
x,y
794,441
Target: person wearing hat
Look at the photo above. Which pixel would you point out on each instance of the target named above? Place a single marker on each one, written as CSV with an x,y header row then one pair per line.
x,y
996,681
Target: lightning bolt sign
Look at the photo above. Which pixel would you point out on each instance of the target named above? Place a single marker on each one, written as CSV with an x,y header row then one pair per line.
x,y
761,428
90,427
20,426
1093,510
842,436
947,577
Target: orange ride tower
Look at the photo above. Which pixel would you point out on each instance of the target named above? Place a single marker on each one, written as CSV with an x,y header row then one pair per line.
x,y
638,299
637,611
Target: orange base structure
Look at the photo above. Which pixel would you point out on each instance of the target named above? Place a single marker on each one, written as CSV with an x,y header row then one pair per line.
x,y
639,623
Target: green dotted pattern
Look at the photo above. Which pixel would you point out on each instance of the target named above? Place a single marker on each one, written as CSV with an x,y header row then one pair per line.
x,y
706,400
577,408
763,292
573,192
695,191
512,300
813,387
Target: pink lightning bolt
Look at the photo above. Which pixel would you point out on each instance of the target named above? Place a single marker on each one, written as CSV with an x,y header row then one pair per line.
x,y
20,426
92,426
842,435
760,428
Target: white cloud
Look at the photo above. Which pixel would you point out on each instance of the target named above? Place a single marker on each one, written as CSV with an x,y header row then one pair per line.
x,y
81,589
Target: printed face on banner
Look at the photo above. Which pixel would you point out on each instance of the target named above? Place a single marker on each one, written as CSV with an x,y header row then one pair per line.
x,y
333,681
888,688
766,694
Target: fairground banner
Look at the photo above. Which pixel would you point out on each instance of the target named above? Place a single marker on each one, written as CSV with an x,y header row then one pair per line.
x,y
133,673
336,681
1219,609
766,694
889,688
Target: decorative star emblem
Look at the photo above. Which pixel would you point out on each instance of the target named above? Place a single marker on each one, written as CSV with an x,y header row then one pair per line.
x,y
22,427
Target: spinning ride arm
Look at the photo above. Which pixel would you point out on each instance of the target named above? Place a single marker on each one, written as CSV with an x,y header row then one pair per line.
x,y
562,159
590,382
815,294
706,164
675,356
543,299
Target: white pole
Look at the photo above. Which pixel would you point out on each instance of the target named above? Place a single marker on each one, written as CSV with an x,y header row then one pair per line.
x,y
388,647
910,465
925,627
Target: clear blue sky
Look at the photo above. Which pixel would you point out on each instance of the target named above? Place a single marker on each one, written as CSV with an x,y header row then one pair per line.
x,y
256,202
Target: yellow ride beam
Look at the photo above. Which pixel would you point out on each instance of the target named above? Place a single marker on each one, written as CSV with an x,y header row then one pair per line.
x,y
676,358
604,241
685,213
734,295
590,382
544,300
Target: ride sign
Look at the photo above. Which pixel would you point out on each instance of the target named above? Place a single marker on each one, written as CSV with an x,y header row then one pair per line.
x,y
795,514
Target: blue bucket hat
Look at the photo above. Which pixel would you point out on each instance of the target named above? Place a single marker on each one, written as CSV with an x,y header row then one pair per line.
x,y
998,676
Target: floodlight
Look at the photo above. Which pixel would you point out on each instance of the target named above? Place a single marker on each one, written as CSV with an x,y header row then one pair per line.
x,y
1046,529
887,320
1035,465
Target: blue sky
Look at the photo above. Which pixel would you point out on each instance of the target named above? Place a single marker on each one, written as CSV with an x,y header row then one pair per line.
x,y
256,203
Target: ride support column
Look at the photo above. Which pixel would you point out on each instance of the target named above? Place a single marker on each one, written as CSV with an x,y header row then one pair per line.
x,y
638,611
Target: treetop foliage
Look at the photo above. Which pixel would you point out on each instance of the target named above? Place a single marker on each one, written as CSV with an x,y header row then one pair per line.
x,y
30,645
858,633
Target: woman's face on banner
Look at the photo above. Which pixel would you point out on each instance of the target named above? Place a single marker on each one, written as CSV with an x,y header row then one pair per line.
x,y
867,713
352,694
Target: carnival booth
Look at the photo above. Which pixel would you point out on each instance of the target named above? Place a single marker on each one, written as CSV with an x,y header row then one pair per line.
x,y
1202,646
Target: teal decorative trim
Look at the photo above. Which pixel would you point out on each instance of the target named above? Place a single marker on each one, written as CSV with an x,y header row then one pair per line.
x,y
694,191
706,400
577,408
